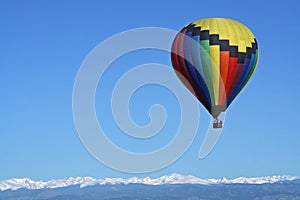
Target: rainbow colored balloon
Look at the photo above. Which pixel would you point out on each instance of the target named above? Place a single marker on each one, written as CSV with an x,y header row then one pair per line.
x,y
221,63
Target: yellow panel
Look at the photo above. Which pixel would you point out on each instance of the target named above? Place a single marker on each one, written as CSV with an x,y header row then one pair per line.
x,y
215,68
228,29
204,25
233,36
213,26
242,39
225,31
248,34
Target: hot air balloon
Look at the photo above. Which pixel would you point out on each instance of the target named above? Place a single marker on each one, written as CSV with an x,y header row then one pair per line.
x,y
217,64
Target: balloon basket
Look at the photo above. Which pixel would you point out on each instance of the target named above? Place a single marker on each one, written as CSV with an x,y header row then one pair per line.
x,y
217,124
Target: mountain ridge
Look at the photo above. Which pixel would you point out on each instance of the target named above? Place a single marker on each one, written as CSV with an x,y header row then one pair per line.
x,y
82,182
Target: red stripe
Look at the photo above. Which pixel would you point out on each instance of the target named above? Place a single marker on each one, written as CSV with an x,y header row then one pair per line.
x,y
174,56
224,66
238,71
230,74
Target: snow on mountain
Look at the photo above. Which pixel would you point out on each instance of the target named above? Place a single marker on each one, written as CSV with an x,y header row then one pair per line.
x,y
18,183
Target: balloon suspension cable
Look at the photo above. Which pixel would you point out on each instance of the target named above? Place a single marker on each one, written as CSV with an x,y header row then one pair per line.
x,y
216,120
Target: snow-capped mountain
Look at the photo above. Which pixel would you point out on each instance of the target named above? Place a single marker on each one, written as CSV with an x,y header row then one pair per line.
x,y
18,183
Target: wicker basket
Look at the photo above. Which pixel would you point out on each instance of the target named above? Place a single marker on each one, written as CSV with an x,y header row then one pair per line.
x,y
218,124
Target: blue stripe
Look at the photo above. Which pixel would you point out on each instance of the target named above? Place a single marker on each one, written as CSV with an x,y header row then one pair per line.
x,y
198,80
252,65
196,55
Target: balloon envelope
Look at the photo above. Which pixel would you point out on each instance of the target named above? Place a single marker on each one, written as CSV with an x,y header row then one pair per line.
x,y
219,65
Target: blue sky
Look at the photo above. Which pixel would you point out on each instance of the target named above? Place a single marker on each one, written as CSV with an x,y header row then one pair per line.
x,y
43,44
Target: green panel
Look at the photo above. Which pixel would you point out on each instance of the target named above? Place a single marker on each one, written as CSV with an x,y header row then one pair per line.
x,y
205,60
